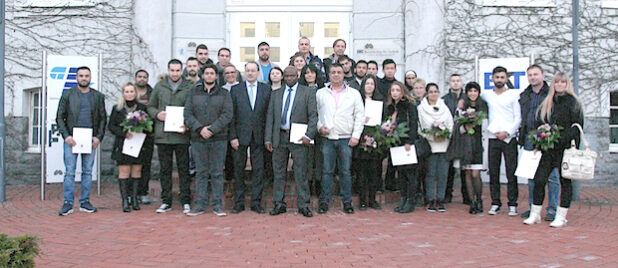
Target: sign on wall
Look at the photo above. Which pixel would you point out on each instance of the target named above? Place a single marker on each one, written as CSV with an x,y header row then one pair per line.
x,y
61,75
515,67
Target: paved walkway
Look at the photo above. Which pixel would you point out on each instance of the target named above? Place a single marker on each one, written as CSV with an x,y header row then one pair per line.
x,y
110,238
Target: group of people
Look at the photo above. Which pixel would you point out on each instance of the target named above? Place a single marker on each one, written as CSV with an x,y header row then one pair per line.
x,y
229,118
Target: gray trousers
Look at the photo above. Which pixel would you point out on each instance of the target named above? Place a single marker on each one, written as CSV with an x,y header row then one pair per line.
x,y
280,165
209,160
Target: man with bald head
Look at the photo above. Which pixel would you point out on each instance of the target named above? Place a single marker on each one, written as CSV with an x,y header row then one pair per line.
x,y
304,47
293,103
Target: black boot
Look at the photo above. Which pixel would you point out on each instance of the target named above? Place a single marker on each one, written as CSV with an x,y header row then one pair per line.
x,y
472,208
402,202
122,184
408,206
479,205
135,203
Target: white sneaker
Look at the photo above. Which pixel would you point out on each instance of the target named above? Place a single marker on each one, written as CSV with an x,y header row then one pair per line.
x,y
512,211
186,208
219,212
494,210
163,208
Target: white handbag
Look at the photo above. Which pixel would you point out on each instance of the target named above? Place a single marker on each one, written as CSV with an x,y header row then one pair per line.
x,y
578,164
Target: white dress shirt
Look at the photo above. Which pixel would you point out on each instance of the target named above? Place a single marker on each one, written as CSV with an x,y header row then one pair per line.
x,y
504,112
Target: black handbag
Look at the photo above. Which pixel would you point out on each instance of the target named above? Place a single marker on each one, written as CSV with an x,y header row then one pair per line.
x,y
423,149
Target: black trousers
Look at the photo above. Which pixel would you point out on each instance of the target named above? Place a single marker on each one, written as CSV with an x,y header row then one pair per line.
x,y
257,173
368,179
497,149
146,167
166,158
542,176
408,175
451,180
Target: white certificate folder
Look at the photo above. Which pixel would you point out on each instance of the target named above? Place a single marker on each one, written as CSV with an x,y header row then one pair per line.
x,y
373,110
528,163
174,119
133,146
83,140
297,131
401,157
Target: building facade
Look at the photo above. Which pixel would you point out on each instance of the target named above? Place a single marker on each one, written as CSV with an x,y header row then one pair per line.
x,y
433,38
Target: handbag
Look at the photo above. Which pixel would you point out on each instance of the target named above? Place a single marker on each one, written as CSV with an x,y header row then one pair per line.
x,y
578,164
423,148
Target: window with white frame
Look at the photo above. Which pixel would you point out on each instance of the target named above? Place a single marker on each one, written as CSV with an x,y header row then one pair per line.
x,y
613,121
34,119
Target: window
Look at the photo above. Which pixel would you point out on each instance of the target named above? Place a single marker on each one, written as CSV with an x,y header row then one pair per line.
x,y
305,29
275,54
613,121
247,29
273,29
34,119
247,54
331,29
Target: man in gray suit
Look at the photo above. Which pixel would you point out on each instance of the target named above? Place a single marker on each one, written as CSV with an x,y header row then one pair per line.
x,y
291,104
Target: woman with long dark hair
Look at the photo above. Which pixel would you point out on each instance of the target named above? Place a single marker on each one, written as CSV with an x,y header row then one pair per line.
x,y
275,78
310,76
129,168
562,108
364,162
401,107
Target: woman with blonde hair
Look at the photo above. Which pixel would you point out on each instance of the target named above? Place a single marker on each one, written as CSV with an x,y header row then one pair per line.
x,y
562,108
129,168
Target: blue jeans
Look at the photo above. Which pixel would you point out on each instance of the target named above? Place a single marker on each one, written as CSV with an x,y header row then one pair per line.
x,y
70,163
436,177
340,153
210,160
553,185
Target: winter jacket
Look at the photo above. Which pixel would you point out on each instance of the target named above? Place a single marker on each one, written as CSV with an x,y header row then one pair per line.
x,y
163,96
427,115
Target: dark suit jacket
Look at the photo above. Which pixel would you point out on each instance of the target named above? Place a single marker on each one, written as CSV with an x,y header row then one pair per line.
x,y
304,111
247,124
68,111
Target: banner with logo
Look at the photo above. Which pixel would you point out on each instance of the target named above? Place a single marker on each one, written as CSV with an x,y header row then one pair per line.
x,y
61,76
515,67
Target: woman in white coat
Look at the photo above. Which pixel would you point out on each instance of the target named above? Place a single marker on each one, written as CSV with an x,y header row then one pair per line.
x,y
434,112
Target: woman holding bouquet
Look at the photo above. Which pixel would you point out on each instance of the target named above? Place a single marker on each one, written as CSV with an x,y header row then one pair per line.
x,y
436,123
401,108
467,143
560,109
365,162
129,168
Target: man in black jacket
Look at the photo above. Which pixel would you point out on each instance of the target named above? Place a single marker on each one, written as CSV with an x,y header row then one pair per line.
x,y
529,101
144,90
80,107
208,113
250,100
451,99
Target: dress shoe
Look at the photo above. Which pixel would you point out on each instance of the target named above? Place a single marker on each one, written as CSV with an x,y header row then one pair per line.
x,y
278,209
362,206
258,209
238,209
323,208
306,212
375,205
347,208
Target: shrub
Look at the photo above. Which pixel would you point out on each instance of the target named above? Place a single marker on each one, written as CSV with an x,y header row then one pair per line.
x,y
18,251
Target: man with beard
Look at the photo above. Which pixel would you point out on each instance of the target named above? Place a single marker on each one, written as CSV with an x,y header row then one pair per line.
x,y
80,107
171,90
201,53
208,113
192,68
504,121
265,64
293,103
360,70
144,90
348,74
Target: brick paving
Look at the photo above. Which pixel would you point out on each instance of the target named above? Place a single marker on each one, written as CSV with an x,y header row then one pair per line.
x,y
110,238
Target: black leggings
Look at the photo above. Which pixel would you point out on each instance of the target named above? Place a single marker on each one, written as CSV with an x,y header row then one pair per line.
x,y
540,179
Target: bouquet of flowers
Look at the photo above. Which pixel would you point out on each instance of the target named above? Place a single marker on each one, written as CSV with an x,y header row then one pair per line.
x,y
438,130
137,121
545,136
379,139
471,117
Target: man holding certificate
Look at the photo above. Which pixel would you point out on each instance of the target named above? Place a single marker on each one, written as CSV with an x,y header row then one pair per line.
x,y
208,113
292,108
341,119
81,110
166,105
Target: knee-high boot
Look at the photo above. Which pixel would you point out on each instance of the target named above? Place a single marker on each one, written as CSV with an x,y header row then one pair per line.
x,y
134,191
122,184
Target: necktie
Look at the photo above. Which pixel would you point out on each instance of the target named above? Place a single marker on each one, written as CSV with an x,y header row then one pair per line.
x,y
284,116
251,96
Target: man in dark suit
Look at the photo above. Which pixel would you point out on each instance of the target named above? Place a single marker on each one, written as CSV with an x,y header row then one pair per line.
x,y
291,104
250,100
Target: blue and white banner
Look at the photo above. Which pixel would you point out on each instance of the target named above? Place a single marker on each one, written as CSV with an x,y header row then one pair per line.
x,y
61,73
515,67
